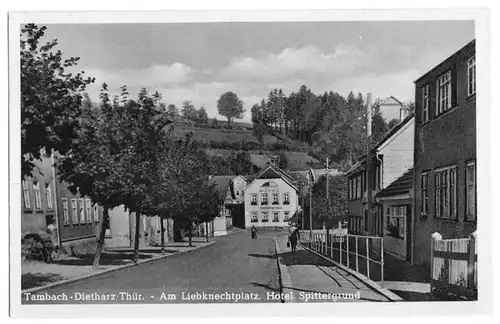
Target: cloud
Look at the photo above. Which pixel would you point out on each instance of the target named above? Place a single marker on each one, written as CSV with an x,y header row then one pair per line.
x,y
398,84
152,76
298,62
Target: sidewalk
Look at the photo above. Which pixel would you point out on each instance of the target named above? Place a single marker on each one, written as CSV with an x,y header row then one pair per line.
x,y
36,274
306,273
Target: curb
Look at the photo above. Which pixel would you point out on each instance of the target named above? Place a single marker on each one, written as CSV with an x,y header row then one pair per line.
x,y
62,282
372,284
285,280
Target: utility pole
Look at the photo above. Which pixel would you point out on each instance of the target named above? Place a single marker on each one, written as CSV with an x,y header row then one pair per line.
x,y
368,164
310,205
327,202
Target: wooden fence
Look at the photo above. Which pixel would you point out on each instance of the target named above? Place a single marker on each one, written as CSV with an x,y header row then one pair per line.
x,y
454,266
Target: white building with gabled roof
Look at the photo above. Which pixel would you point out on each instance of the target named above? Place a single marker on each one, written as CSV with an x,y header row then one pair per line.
x,y
271,199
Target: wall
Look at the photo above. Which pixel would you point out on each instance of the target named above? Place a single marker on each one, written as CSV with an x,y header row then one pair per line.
x,y
397,153
395,245
390,110
239,185
35,219
282,187
448,139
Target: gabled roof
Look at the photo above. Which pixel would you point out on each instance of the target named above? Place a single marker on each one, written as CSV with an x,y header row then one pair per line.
x,y
273,172
399,186
394,130
387,101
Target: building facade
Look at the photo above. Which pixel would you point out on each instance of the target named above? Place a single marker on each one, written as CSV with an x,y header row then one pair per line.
x,y
271,199
391,157
38,195
445,152
46,200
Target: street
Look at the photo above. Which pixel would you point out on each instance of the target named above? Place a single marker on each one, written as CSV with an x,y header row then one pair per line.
x,y
234,264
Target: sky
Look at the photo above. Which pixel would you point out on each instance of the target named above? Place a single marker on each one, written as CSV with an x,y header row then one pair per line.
x,y
201,61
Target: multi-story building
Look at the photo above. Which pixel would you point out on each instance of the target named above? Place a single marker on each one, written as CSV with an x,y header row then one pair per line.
x,y
392,156
46,200
271,199
445,152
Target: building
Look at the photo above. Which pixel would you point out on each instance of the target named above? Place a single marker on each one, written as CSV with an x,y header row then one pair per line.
x,y
396,204
391,157
39,204
445,152
391,108
271,199
47,200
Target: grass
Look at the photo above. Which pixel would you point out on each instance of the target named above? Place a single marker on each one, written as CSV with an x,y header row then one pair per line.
x,y
229,135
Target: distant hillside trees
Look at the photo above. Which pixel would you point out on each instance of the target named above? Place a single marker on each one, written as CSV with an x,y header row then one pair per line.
x,y
230,106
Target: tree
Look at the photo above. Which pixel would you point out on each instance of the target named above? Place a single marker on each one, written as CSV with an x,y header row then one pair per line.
x,y
202,115
392,123
188,110
172,111
283,160
338,209
51,99
89,167
230,106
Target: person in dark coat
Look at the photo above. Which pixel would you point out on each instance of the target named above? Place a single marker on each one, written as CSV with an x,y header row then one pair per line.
x,y
294,237
254,232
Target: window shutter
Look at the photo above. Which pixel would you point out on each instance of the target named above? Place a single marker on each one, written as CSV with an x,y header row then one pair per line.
x,y
454,84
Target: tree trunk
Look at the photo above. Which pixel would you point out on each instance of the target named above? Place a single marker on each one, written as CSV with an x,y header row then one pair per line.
x,y
100,243
190,234
206,231
162,231
136,239
228,123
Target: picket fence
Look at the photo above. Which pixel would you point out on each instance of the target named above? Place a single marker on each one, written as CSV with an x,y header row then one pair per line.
x,y
454,266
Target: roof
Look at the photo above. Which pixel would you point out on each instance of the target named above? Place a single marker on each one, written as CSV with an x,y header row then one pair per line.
x,y
271,172
222,183
399,186
394,130
384,102
356,165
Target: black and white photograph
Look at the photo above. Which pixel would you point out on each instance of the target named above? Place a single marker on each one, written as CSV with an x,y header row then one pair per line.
x,y
265,158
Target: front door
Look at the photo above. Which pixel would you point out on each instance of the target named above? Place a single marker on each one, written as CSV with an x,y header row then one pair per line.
x,y
408,232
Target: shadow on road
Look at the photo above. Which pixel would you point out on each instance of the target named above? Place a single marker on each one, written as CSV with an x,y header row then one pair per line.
x,y
265,256
30,280
106,259
302,257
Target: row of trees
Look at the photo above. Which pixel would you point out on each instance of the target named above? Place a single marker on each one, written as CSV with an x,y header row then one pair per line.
x,y
335,126
188,112
120,152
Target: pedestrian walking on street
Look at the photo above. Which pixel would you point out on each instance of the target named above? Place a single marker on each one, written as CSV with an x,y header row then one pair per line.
x,y
254,232
294,237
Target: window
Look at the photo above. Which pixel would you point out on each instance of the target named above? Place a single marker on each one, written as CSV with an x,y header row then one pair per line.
x,y
470,174
446,193
425,194
254,217
74,214
81,210
88,209
96,213
425,103
26,194
276,217
358,187
287,216
349,189
253,198
471,76
265,217
264,199
396,221
276,199
286,198
38,197
48,195
444,93
275,160
65,211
